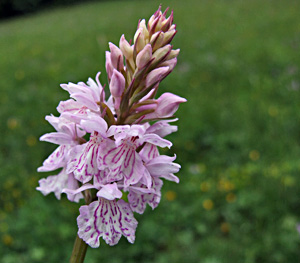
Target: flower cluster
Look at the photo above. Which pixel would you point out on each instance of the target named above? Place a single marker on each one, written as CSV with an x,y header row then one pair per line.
x,y
107,149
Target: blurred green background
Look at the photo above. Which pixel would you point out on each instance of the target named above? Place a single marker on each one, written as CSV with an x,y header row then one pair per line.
x,y
238,138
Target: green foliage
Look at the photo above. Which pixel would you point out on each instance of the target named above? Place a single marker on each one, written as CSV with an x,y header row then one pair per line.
x,y
238,138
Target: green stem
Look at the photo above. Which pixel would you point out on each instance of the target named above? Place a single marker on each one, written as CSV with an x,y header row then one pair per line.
x,y
80,247
79,251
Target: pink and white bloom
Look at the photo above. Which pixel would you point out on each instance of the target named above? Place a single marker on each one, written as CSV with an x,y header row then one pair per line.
x,y
67,136
87,95
56,183
108,150
121,157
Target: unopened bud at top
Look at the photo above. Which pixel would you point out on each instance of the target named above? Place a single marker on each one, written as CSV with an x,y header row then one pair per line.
x,y
116,56
117,87
161,53
168,36
156,76
125,48
166,23
144,56
159,22
117,84
173,54
157,40
108,65
169,63
142,25
139,40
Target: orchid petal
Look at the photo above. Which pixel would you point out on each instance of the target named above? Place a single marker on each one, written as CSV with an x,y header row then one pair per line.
x,y
57,138
101,178
157,140
162,128
78,190
53,183
149,152
72,184
138,200
124,161
115,129
84,163
68,106
55,159
107,219
110,192
96,124
87,100
54,121
163,166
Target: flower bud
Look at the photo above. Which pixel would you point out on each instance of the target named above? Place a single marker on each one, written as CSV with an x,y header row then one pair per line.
x,y
150,22
154,26
139,40
117,84
125,48
142,25
108,65
116,56
169,63
156,75
144,56
168,36
173,54
167,105
161,53
166,24
172,27
157,40
154,19
151,104
116,87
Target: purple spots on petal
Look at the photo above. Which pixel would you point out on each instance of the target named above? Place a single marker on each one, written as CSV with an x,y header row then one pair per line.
x,y
107,221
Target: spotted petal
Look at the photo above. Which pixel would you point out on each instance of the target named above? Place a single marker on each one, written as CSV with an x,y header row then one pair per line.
x,y
139,199
163,166
108,219
55,160
73,184
124,161
96,123
162,128
53,183
84,163
149,152
157,140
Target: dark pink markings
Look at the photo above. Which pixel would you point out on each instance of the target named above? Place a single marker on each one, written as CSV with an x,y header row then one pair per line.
x,y
84,164
139,200
107,219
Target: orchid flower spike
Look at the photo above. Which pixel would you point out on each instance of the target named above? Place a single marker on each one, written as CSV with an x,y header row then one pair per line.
x,y
107,149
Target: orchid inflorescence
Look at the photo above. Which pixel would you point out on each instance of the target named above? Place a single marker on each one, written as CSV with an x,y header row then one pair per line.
x,y
108,150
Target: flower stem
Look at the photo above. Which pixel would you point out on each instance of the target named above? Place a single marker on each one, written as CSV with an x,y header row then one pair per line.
x,y
79,251
80,247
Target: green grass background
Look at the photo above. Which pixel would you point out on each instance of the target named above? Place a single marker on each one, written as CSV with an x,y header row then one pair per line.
x,y
238,138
